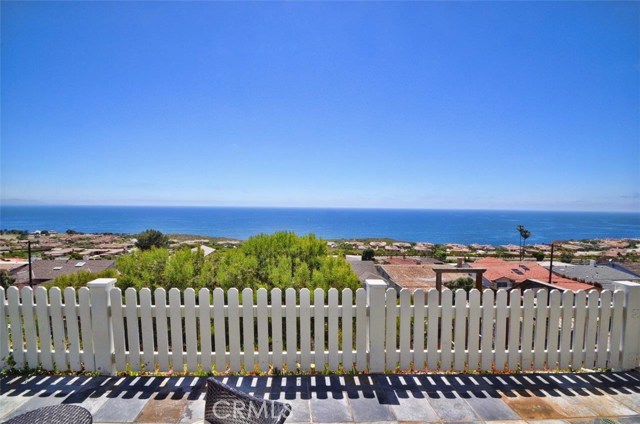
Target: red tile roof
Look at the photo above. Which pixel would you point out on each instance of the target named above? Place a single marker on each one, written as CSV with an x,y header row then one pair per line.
x,y
517,272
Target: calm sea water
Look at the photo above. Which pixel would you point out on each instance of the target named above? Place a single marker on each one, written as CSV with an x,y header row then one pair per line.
x,y
438,226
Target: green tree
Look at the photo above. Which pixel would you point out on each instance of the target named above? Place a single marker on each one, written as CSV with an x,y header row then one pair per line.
x,y
439,252
283,260
156,268
151,238
566,257
368,254
538,255
6,280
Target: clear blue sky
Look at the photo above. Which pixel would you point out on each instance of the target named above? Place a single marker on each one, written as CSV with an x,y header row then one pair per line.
x,y
491,105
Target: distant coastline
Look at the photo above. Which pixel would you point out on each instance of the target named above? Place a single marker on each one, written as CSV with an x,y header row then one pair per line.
x,y
412,225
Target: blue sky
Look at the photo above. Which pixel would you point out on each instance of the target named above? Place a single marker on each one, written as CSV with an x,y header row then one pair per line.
x,y
491,105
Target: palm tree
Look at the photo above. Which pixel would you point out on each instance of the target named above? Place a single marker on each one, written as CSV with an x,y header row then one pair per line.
x,y
525,235
520,229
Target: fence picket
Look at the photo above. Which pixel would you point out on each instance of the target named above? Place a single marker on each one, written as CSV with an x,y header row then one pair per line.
x,y
566,329
117,326
73,333
540,337
44,328
276,327
146,327
528,311
160,297
488,325
361,330
391,348
333,334
578,329
515,323
616,329
86,328
234,330
4,335
263,330
29,323
305,329
603,328
460,330
292,327
133,329
473,344
219,325
318,328
553,335
446,329
175,321
248,330
204,321
405,329
591,329
190,334
347,329
13,295
57,326
500,358
433,308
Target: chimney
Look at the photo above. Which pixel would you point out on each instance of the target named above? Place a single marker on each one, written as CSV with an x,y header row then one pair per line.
x,y
460,262
592,262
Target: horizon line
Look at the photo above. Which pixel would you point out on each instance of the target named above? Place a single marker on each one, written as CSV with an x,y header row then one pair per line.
x,y
43,204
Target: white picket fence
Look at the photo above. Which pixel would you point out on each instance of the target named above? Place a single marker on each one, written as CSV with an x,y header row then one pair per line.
x,y
375,329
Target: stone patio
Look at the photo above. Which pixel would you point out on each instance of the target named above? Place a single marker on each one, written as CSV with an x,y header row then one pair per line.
x,y
602,398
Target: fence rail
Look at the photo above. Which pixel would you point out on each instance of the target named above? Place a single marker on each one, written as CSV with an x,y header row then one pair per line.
x,y
101,328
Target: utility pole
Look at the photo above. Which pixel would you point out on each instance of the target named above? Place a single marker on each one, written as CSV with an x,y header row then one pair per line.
x,y
551,263
30,273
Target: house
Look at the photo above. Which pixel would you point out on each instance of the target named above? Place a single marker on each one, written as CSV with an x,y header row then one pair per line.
x,y
501,274
601,275
365,270
43,271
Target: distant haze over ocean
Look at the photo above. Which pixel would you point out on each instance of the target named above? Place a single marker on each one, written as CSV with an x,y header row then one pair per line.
x,y
438,226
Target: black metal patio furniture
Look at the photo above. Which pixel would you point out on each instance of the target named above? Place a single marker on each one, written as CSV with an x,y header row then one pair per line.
x,y
226,405
56,414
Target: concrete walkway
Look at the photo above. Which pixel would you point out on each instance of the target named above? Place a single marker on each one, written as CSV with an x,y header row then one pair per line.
x,y
602,398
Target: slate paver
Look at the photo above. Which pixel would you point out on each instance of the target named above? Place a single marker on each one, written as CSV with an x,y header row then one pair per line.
x,y
162,411
414,409
605,406
120,410
370,409
330,410
533,408
193,412
491,408
451,408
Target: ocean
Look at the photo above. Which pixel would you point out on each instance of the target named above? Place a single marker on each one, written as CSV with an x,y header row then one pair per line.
x,y
437,226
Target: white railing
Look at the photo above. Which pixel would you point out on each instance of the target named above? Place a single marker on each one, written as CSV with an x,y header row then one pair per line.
x,y
97,328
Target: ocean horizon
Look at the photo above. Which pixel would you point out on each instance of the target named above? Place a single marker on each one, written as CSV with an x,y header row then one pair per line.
x,y
428,225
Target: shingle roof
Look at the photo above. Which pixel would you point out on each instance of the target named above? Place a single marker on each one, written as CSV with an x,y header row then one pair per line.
x,y
415,277
45,270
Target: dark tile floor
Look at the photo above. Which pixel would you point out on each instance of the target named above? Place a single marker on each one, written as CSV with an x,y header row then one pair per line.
x,y
590,398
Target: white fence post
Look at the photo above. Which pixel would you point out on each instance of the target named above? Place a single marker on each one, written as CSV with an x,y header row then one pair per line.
x,y
376,328
630,325
101,324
